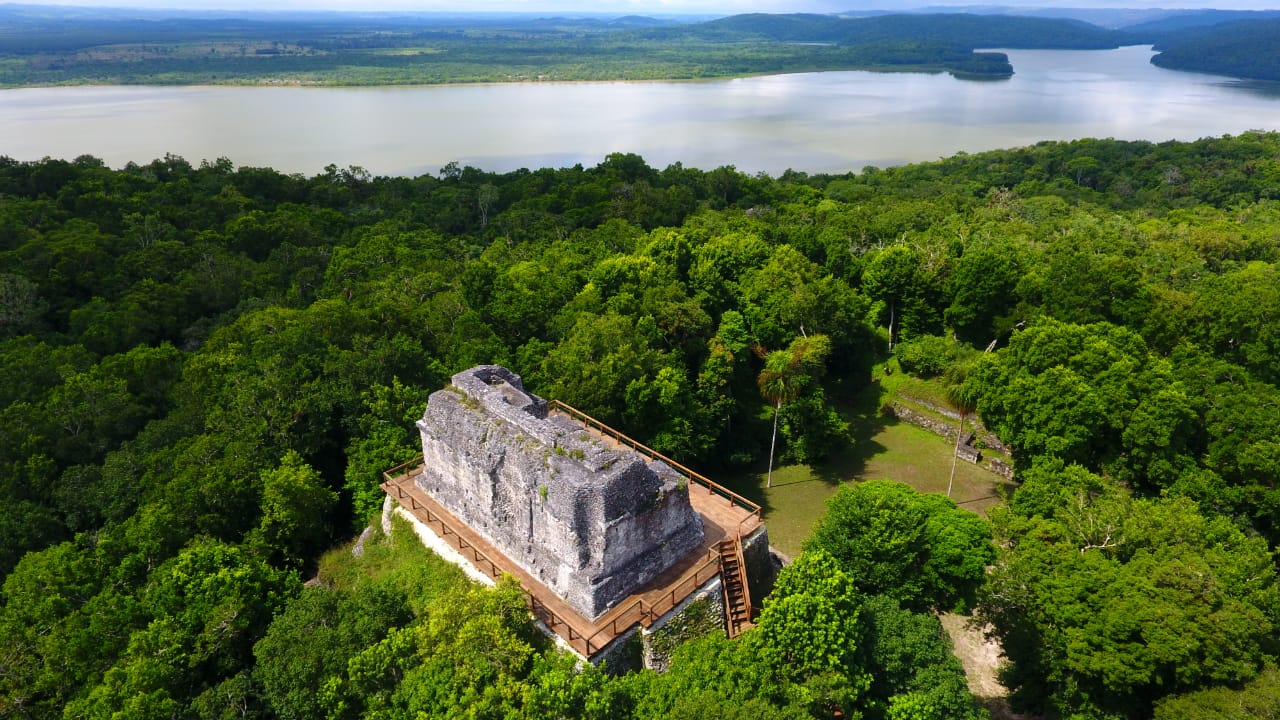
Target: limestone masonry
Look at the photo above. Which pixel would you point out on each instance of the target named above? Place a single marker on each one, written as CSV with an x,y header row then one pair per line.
x,y
591,521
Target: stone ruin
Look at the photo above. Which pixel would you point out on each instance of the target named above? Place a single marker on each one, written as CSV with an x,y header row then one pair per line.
x,y
591,521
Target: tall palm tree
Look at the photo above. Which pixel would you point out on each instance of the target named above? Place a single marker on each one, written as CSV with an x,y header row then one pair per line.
x,y
779,382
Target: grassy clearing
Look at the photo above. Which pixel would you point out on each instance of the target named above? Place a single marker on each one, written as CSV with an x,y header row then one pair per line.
x,y
882,449
932,391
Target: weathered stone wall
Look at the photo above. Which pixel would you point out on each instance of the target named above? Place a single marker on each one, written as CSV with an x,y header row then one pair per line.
x,y
760,566
987,437
699,614
909,415
589,520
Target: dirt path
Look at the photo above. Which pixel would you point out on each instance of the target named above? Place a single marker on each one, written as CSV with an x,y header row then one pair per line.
x,y
981,659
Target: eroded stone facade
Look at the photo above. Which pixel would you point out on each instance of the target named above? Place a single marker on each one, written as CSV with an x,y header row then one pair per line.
x,y
593,522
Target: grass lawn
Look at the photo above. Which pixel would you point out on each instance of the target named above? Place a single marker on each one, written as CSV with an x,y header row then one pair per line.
x,y
882,449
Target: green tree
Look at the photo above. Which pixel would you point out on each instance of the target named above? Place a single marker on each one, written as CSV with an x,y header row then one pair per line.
x,y
1258,699
472,653
296,506
983,289
1104,603
910,659
896,277
785,374
310,643
809,629
918,549
208,605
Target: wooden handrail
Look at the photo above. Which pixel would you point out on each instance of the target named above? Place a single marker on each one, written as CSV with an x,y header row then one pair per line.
x,y
397,471
649,613
711,485
539,610
646,613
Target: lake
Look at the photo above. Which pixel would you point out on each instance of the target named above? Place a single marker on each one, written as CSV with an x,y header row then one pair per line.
x,y
816,122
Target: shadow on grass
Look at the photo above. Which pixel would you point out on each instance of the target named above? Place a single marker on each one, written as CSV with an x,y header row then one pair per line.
x,y
865,423
1001,491
878,447
798,494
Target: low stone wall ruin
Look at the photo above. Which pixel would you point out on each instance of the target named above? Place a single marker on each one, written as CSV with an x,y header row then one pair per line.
x,y
971,453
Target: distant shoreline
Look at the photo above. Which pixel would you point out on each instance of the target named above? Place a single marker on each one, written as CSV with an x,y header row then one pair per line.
x,y
283,83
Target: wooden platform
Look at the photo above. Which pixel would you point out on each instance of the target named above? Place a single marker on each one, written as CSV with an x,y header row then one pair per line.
x,y
725,516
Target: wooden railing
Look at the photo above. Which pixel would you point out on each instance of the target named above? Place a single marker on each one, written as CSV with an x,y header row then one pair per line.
x,y
689,475
403,468
646,614
548,616
638,611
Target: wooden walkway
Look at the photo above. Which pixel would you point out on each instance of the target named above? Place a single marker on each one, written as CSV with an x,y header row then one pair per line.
x,y
725,516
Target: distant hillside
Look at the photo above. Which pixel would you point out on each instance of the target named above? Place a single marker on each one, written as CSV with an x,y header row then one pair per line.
x,y
1248,49
967,30
794,27
989,31
1112,18
1198,19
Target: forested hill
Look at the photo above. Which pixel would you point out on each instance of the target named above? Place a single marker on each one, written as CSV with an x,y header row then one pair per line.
x,y
204,368
52,47
968,30
1244,49
1197,19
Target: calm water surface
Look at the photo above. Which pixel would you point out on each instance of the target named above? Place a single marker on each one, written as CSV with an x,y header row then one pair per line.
x,y
817,122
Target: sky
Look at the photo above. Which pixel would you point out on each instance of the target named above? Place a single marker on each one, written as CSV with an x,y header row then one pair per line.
x,y
639,7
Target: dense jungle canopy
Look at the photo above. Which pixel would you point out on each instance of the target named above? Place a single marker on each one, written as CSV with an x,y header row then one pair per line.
x,y
203,368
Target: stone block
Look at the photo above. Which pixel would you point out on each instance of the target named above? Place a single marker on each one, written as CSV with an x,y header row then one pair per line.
x,y
590,520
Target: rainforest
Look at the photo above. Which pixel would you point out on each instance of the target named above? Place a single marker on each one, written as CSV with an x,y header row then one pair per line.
x,y
204,368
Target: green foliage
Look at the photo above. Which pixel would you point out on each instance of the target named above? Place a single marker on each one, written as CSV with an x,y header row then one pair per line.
x,y
472,652
900,280
1112,603
194,360
918,549
1073,392
911,664
295,503
309,644
812,428
983,288
1237,48
207,604
928,355
809,625
803,659
1258,699
385,440
398,562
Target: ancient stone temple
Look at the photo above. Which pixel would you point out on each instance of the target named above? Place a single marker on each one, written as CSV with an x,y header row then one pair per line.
x,y
589,519
610,541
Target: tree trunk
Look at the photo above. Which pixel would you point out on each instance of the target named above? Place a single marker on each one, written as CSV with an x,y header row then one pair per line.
x,y
891,319
768,483
955,454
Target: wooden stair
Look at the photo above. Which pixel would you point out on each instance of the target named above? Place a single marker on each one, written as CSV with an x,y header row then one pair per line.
x,y
733,578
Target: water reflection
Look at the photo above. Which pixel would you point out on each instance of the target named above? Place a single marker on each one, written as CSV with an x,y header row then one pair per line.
x,y
817,122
